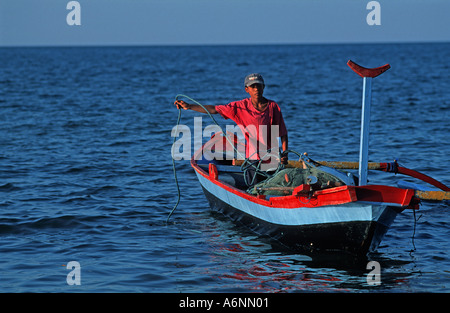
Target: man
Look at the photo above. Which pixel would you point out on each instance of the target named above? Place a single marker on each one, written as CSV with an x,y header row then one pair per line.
x,y
258,117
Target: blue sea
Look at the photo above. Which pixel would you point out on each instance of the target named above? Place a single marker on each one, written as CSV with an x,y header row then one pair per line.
x,y
86,172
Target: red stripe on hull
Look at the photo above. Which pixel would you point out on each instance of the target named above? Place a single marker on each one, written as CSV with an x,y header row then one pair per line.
x,y
333,196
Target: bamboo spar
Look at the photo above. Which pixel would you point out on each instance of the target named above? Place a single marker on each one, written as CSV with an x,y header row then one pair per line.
x,y
435,195
333,164
432,195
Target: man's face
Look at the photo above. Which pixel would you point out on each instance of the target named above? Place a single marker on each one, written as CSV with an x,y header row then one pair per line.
x,y
255,91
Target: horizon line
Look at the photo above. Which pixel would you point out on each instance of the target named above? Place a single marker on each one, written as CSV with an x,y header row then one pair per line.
x,y
149,45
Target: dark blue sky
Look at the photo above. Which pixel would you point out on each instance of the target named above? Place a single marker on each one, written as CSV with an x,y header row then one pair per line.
x,y
161,22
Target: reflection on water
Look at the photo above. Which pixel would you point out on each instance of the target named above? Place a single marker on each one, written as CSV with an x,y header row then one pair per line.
x,y
241,261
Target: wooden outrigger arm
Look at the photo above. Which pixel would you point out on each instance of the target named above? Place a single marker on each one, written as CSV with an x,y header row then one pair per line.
x,y
390,167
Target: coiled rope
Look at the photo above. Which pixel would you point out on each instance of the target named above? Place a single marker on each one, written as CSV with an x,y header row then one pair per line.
x,y
176,132
246,165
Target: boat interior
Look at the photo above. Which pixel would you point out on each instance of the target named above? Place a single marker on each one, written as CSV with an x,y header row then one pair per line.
x,y
214,160
227,173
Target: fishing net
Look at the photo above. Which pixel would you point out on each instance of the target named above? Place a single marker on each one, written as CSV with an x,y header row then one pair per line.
x,y
293,177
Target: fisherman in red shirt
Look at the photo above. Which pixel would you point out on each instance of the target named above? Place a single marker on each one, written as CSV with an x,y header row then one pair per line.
x,y
259,118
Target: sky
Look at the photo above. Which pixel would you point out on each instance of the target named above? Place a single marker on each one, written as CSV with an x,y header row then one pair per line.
x,y
200,22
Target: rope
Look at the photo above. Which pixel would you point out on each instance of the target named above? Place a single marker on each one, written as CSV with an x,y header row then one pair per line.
x,y
174,170
244,167
228,139
414,229
213,119
176,131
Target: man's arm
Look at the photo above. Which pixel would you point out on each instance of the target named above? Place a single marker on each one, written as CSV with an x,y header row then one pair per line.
x,y
195,107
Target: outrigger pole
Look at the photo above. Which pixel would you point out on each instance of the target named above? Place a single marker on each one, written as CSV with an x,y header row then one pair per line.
x,y
367,74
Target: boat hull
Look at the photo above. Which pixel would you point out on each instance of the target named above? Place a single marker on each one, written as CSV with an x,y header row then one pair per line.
x,y
345,218
355,227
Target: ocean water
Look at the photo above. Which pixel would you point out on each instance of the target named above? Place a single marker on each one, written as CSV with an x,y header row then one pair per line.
x,y
86,173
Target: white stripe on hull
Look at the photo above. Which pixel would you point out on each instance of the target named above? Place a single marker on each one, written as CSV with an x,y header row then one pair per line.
x,y
348,212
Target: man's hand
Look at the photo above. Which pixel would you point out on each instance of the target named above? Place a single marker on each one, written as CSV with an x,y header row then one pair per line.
x,y
284,159
182,105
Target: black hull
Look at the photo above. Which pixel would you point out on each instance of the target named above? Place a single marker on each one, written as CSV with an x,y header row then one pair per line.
x,y
355,237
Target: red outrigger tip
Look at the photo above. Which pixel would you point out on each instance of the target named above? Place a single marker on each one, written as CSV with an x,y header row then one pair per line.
x,y
368,72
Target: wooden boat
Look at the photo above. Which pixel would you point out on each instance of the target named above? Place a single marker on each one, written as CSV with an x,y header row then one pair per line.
x,y
346,218
352,217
